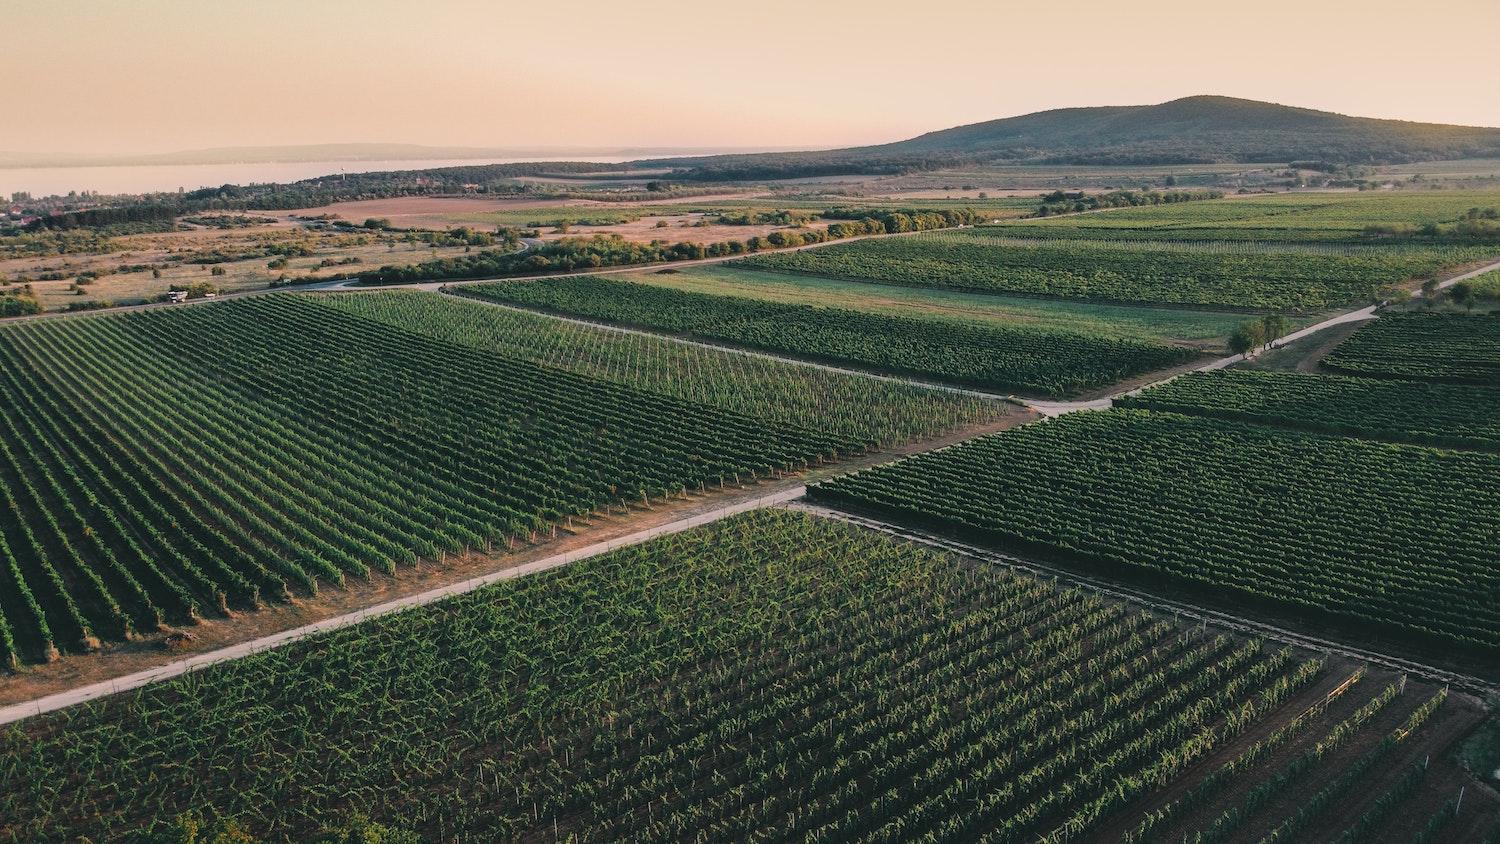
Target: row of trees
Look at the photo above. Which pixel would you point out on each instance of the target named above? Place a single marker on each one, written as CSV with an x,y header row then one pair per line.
x,y
1255,333
574,253
1063,202
96,217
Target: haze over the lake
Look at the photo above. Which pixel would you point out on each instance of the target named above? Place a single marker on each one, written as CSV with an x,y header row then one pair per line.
x,y
164,75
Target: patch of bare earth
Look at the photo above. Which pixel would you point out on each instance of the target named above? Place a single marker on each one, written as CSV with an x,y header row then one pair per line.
x,y
119,659
679,228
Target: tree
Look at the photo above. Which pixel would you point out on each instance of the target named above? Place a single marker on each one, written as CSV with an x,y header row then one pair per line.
x,y
1462,293
1273,326
1249,335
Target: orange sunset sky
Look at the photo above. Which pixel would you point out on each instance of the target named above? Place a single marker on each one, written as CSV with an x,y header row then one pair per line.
x,y
125,76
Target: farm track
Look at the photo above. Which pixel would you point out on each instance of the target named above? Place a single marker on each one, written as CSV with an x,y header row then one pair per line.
x,y
1047,407
104,688
1219,619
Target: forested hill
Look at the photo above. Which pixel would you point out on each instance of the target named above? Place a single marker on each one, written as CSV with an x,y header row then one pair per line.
x,y
1200,129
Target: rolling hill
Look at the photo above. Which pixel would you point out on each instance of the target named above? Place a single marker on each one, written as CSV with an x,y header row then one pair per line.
x,y
1192,130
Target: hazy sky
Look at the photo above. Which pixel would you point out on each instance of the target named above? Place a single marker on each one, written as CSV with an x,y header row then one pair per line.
x,y
161,75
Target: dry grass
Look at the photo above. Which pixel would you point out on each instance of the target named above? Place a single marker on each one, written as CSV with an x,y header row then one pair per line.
x,y
169,252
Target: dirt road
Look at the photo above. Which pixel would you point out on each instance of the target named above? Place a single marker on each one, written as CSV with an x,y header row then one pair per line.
x,y
50,703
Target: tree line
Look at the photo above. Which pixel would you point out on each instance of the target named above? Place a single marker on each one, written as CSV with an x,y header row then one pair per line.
x,y
1062,202
577,253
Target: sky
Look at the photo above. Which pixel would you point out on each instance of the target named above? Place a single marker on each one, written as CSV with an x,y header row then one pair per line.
x,y
135,76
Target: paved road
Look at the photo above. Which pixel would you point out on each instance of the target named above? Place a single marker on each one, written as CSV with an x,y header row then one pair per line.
x,y
50,703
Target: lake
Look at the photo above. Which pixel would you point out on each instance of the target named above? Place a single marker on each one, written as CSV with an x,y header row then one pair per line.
x,y
45,181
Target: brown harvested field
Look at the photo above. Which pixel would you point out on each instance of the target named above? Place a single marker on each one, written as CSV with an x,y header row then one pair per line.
x,y
940,193
1323,706
678,228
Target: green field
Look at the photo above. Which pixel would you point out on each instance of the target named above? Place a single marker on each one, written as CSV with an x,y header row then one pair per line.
x,y
1452,415
1389,540
1221,276
866,410
167,464
860,689
1328,217
1204,329
991,356
1450,347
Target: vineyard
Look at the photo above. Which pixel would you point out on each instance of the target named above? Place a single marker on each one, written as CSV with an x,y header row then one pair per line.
x,y
1281,218
167,465
1395,541
1450,415
998,357
1444,347
1263,278
862,409
906,695
1352,767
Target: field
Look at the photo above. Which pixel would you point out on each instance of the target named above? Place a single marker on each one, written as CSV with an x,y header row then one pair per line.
x,y
991,356
997,707
1285,217
1212,275
1391,541
635,220
179,463
1177,326
862,689
862,409
1447,347
132,269
1450,415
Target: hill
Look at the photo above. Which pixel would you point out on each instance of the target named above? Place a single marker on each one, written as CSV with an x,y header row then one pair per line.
x,y
1192,130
